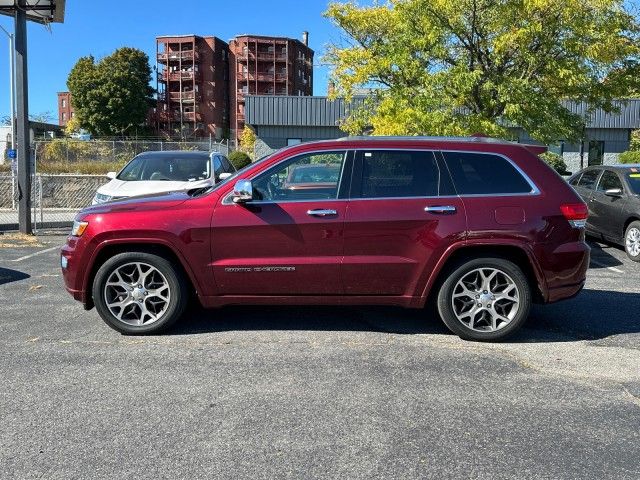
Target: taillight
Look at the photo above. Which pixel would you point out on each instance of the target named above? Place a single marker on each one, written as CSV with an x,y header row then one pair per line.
x,y
575,213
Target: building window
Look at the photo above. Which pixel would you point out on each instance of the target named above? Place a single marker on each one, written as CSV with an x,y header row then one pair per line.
x,y
64,116
293,141
64,103
71,115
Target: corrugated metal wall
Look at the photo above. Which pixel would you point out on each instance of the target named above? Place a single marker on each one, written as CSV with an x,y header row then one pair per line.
x,y
628,115
301,111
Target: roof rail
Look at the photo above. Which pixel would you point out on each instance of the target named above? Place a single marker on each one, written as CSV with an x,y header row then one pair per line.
x,y
431,138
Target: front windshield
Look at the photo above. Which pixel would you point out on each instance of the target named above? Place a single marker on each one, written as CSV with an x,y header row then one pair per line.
x,y
171,168
633,177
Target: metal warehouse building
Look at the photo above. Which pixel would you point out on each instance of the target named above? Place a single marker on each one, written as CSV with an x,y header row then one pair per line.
x,y
286,120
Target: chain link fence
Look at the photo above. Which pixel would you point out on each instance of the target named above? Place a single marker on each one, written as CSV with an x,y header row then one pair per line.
x,y
57,196
66,150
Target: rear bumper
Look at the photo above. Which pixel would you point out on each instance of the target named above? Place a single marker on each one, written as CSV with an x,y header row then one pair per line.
x,y
565,270
564,293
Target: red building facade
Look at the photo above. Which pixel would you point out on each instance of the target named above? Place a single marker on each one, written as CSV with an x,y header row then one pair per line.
x,y
261,65
65,110
193,86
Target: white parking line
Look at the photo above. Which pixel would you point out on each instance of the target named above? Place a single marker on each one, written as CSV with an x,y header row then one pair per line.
x,y
36,253
613,269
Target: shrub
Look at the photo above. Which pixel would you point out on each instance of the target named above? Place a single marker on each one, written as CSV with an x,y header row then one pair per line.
x,y
555,161
629,157
239,159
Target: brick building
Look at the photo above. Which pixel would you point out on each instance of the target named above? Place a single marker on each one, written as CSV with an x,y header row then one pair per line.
x,y
193,86
65,110
262,65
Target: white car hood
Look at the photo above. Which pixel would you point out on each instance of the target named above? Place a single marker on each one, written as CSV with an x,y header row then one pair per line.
x,y
120,188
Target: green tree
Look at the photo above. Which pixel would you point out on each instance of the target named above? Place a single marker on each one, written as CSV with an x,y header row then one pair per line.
x,y
461,67
111,96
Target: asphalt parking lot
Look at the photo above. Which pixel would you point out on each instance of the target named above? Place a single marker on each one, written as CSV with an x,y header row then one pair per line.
x,y
276,392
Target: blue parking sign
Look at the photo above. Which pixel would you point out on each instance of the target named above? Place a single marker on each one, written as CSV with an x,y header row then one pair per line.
x,y
11,153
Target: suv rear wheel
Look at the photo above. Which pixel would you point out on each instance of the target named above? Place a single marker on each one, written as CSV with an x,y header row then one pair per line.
x,y
632,241
485,299
139,293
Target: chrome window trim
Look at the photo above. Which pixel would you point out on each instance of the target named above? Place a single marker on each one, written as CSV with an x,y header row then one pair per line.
x,y
534,188
228,201
535,191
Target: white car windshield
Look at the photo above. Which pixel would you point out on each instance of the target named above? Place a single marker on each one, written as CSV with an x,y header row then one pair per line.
x,y
171,168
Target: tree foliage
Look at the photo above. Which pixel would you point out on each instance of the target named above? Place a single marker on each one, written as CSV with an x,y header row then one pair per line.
x,y
248,141
239,159
467,66
112,95
556,162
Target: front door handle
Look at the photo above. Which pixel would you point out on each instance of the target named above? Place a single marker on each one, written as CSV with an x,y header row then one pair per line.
x,y
321,212
441,209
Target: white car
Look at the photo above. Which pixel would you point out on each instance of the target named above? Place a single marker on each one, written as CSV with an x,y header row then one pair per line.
x,y
169,171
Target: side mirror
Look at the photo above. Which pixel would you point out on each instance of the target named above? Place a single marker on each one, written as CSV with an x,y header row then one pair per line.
x,y
613,192
111,175
242,191
224,176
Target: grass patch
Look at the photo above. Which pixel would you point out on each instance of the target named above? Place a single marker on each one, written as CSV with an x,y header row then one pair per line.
x,y
9,240
84,168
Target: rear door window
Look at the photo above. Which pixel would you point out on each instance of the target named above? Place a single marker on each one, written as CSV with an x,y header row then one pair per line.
x,y
397,174
485,174
588,179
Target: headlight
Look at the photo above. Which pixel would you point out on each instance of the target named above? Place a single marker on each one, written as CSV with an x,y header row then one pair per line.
x,y
78,228
100,198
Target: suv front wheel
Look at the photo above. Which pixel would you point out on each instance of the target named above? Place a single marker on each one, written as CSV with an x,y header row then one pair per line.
x,y
139,293
485,299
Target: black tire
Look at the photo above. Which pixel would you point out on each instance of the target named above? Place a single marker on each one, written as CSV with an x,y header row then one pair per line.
x,y
458,272
172,310
633,225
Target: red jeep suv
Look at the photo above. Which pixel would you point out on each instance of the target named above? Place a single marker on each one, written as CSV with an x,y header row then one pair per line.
x,y
481,226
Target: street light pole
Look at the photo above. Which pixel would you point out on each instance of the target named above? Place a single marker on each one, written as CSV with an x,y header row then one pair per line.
x,y
12,85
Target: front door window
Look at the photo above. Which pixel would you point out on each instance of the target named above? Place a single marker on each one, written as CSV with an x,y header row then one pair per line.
x,y
312,176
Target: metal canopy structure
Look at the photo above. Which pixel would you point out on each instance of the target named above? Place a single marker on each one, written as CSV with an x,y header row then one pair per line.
x,y
44,12
40,11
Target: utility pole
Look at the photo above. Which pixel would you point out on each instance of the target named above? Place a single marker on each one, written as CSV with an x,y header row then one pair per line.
x,y
12,85
22,124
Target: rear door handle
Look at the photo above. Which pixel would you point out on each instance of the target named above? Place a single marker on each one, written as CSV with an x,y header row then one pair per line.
x,y
321,212
441,209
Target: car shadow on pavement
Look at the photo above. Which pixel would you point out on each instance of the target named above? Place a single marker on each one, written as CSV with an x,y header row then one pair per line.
x,y
321,318
601,256
8,275
593,315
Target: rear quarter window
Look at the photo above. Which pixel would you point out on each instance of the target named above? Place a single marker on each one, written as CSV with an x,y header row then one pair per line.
x,y
588,179
485,174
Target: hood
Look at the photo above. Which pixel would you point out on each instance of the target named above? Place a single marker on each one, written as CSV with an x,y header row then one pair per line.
x,y
120,188
154,201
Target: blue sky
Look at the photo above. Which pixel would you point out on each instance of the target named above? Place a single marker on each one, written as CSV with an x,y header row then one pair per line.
x,y
98,27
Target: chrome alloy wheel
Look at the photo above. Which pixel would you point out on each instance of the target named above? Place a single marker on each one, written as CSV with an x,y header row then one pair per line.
x,y
137,294
632,242
485,299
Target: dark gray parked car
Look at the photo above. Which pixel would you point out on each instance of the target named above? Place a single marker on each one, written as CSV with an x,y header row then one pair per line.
x,y
612,193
